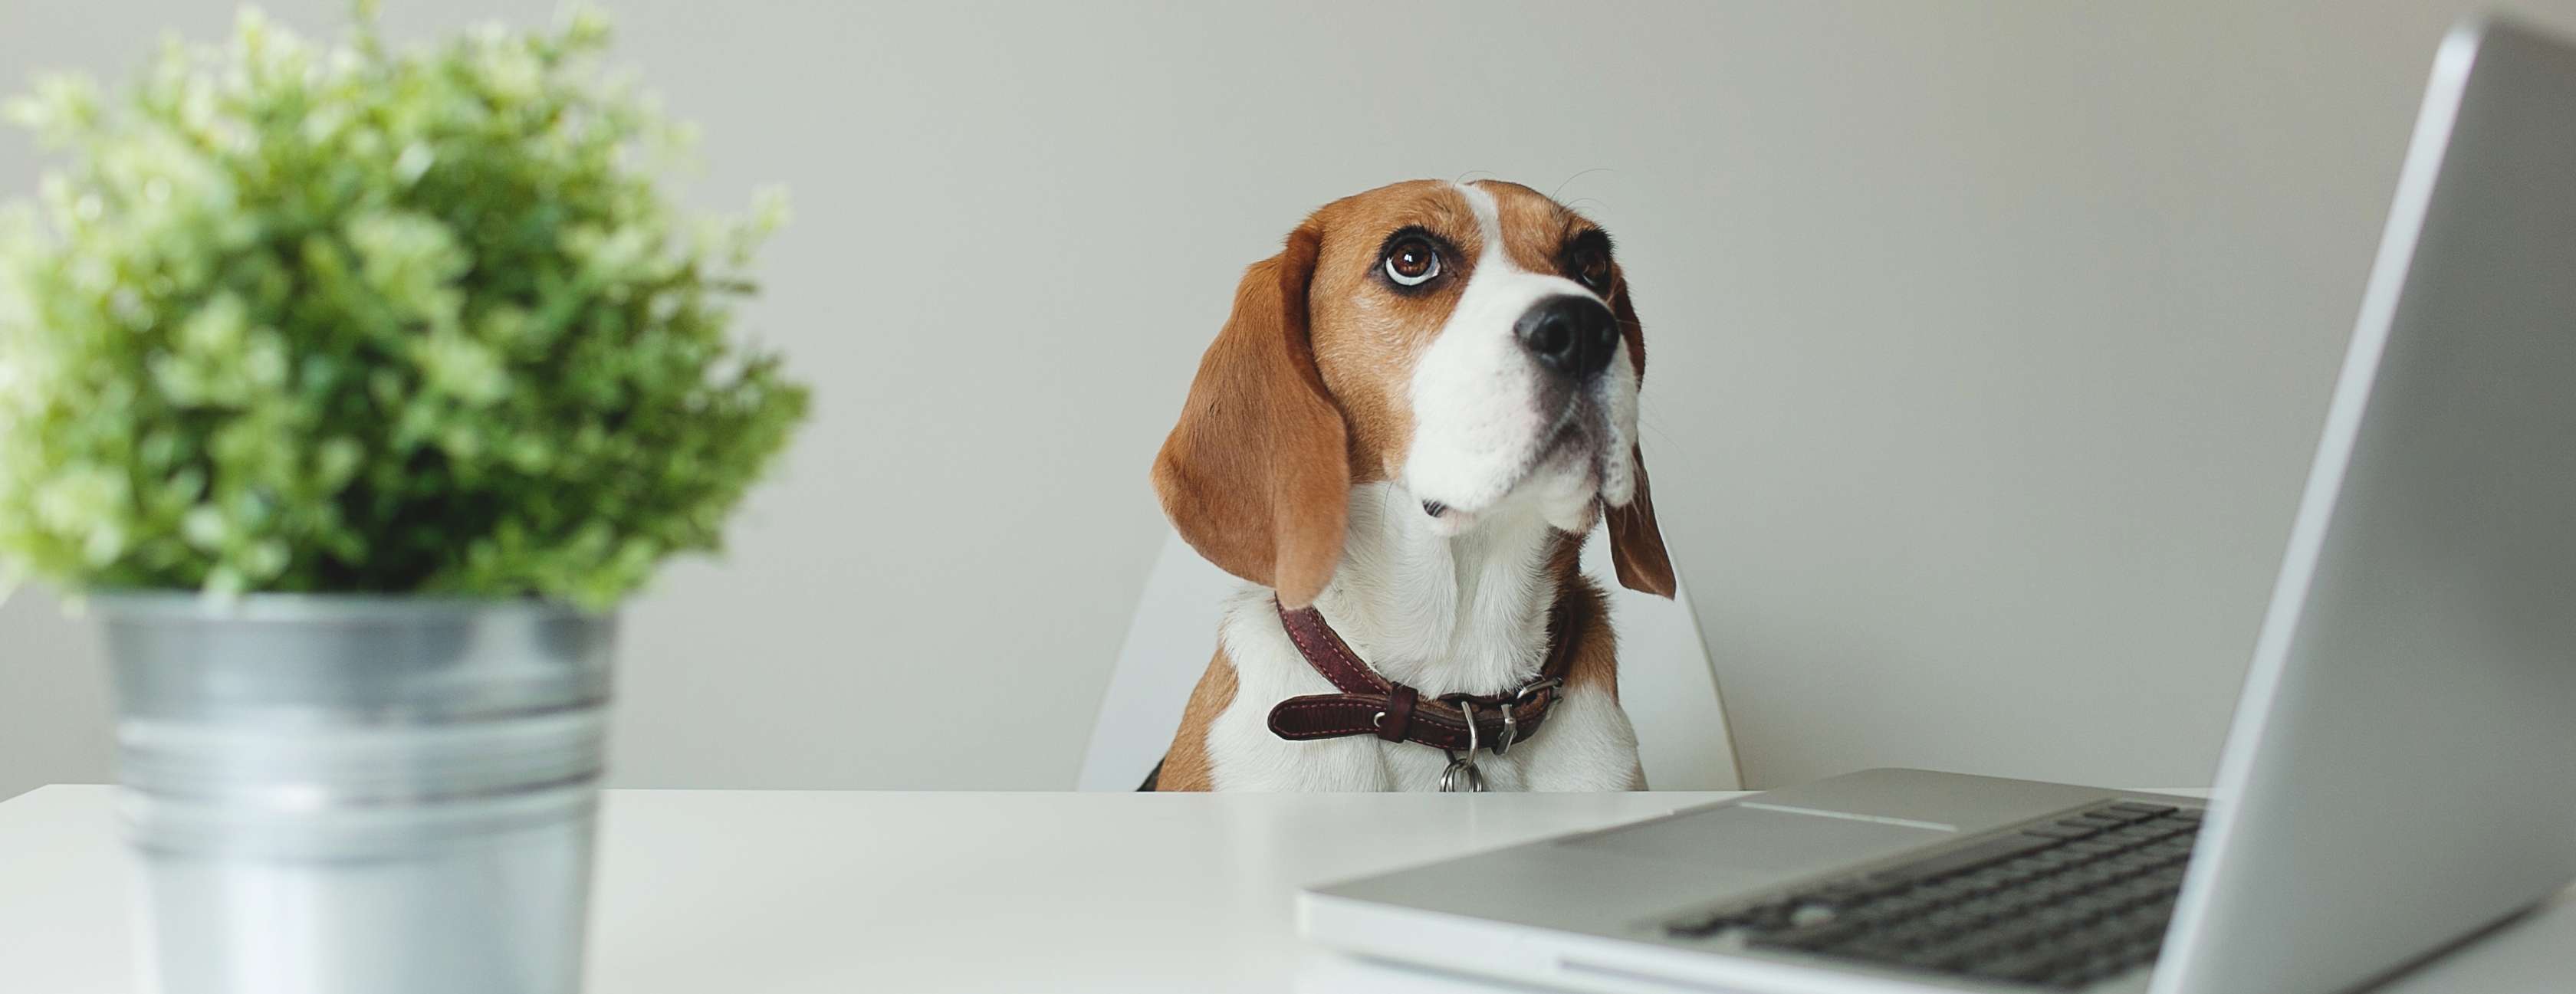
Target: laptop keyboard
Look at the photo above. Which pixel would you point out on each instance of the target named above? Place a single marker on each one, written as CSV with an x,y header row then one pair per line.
x,y
2060,904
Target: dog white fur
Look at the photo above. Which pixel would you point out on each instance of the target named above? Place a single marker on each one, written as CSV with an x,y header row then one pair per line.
x,y
1446,615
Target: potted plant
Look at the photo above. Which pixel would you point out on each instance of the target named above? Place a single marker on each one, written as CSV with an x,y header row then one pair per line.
x,y
352,388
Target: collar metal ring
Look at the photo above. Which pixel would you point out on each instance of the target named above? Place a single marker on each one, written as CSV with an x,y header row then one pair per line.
x,y
1475,778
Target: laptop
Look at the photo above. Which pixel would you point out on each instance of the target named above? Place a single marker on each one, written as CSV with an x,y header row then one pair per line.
x,y
2401,773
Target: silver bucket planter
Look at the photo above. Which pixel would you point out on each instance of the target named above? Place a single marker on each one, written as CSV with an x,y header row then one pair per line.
x,y
359,795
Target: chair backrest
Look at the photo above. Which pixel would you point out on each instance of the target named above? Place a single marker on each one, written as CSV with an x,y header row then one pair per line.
x,y
1665,679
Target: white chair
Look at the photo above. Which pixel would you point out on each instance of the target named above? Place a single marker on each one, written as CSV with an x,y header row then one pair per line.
x,y
1665,679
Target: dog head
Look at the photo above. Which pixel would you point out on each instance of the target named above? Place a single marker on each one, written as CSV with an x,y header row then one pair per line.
x,y
1471,343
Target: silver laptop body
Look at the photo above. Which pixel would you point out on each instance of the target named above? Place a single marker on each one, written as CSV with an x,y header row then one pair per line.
x,y
2402,770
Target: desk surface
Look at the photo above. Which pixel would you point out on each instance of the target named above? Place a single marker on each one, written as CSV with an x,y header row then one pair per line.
x,y
787,892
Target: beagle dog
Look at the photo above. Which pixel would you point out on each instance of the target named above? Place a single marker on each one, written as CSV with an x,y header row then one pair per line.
x,y
1414,416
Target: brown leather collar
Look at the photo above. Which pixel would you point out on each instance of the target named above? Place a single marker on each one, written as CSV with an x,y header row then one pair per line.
x,y
1370,704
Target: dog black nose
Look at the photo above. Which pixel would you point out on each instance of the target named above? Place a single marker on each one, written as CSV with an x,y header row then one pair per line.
x,y
1571,335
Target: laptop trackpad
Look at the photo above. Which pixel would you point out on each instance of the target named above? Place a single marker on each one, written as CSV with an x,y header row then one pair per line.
x,y
1770,843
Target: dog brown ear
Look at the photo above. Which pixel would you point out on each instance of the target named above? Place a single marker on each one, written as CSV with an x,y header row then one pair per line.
x,y
1636,539
1257,474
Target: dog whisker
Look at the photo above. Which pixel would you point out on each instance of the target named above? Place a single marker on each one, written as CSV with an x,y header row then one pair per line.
x,y
1569,181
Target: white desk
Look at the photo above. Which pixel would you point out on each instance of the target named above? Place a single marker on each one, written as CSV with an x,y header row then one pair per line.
x,y
789,892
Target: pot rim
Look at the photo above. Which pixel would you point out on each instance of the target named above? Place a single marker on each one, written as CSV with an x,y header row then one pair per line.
x,y
143,603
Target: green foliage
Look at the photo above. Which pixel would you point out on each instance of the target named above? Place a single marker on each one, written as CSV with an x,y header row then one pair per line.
x,y
302,317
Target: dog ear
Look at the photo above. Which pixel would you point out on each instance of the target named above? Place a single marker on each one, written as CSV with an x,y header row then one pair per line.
x,y
1257,474
1636,540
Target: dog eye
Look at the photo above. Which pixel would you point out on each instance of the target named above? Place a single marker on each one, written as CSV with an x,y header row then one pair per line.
x,y
1412,262
1593,269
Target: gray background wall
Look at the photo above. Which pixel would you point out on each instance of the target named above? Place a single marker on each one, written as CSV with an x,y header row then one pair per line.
x,y
1990,341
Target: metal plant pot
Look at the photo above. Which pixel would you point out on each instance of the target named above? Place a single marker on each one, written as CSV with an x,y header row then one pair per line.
x,y
344,794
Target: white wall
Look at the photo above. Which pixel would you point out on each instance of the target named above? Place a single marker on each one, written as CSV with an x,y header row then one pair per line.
x,y
1989,343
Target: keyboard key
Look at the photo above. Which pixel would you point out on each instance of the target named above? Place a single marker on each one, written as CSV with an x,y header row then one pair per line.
x,y
2062,830
1815,936
2145,808
1700,926
1765,918
1890,908
1846,894
1979,854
